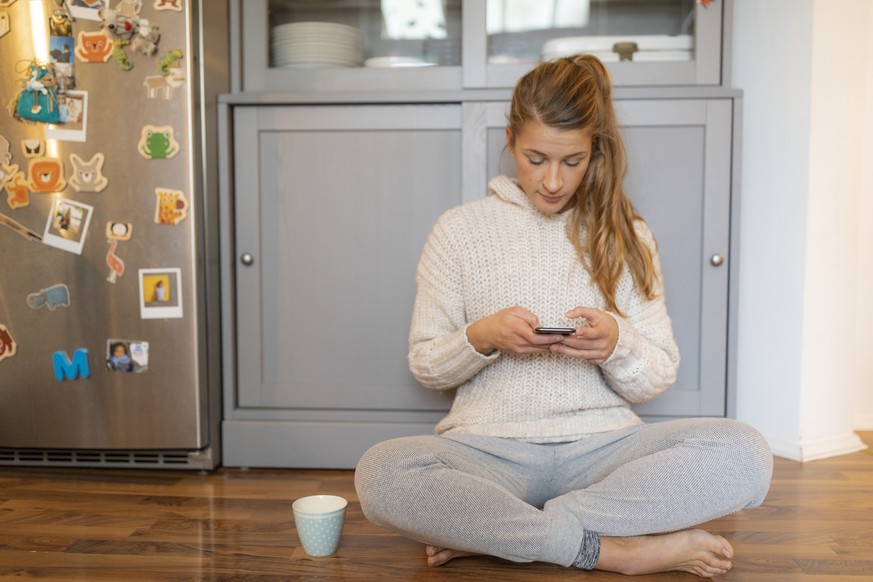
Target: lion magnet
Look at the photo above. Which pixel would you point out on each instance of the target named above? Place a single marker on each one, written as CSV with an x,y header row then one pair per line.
x,y
46,175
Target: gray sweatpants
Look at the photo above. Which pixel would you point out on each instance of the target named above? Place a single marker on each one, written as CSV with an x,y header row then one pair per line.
x,y
535,502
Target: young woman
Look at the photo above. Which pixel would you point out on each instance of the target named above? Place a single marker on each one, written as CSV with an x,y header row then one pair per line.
x,y
541,457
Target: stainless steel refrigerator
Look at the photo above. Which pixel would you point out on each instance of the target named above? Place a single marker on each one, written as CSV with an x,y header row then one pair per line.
x,y
109,290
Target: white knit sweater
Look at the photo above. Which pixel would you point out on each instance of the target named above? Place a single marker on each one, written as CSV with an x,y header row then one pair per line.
x,y
500,252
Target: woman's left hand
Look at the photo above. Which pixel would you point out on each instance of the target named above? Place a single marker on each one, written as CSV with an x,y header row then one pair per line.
x,y
594,342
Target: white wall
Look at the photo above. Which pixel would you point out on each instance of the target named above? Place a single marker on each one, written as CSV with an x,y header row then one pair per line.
x,y
864,331
805,129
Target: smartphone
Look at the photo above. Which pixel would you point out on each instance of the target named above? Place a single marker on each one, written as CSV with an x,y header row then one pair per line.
x,y
560,330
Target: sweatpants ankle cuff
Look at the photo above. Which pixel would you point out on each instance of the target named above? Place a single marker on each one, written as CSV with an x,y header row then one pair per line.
x,y
589,551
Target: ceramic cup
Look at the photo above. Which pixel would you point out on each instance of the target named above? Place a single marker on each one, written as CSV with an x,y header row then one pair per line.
x,y
319,520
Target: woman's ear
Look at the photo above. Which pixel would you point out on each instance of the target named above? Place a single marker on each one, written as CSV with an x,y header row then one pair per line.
x,y
510,140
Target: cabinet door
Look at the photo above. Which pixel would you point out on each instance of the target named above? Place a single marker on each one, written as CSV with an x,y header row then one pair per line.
x,y
653,43
332,207
679,179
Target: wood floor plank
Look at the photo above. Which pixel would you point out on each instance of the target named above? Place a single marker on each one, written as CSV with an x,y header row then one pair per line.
x,y
233,524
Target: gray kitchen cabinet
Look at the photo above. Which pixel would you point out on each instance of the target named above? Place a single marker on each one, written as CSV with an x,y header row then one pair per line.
x,y
328,207
334,176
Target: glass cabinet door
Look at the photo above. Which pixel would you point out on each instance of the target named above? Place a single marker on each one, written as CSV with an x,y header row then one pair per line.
x,y
653,42
369,33
351,44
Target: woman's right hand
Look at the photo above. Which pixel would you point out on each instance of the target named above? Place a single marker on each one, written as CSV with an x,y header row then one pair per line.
x,y
510,330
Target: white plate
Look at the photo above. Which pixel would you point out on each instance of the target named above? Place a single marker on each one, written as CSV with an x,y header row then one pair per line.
x,y
390,62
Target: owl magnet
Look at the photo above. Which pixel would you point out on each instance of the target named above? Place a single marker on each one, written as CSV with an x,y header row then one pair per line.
x,y
33,147
171,208
157,142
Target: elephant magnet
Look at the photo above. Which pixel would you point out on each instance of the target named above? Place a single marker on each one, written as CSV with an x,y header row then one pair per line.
x,y
51,297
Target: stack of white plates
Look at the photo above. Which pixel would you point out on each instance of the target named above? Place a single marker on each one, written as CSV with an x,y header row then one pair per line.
x,y
317,44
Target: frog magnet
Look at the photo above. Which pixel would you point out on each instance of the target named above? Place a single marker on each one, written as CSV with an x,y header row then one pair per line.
x,y
157,142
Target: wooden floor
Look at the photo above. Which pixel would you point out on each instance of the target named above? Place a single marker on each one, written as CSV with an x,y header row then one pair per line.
x,y
78,524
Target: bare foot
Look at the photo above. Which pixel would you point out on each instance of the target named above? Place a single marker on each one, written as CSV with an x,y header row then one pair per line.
x,y
439,556
691,550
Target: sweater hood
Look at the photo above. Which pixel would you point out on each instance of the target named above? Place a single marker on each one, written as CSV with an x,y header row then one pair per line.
x,y
508,190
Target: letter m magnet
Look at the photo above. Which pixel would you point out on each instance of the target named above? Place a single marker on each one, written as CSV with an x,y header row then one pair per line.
x,y
65,369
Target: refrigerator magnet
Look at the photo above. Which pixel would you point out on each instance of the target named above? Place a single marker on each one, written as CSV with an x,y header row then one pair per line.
x,y
46,175
67,225
93,46
157,142
119,230
73,106
160,293
168,5
62,48
171,206
17,194
88,176
114,262
163,85
51,297
5,151
33,147
4,24
67,369
8,346
87,9
127,356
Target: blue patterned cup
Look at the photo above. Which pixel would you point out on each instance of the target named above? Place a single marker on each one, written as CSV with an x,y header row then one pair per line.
x,y
319,520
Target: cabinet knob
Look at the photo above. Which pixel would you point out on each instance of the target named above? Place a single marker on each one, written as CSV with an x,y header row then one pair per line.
x,y
247,259
717,260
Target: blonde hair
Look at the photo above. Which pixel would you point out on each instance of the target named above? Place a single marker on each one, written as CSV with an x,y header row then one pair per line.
x,y
576,93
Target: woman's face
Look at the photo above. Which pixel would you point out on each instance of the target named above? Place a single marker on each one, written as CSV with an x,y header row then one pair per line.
x,y
550,163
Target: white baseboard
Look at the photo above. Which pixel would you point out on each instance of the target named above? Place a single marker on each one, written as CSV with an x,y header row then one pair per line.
x,y
864,421
814,449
